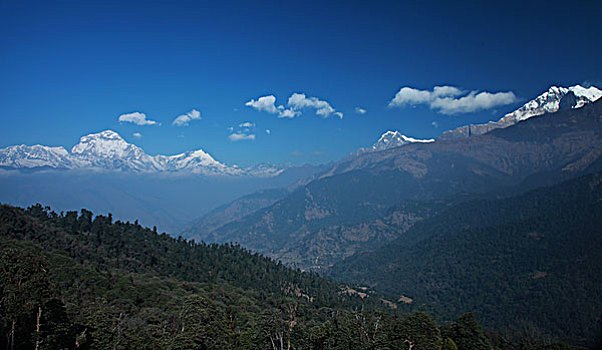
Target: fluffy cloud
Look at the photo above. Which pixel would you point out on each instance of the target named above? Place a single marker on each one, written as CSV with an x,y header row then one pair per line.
x,y
296,103
244,131
451,100
264,103
137,135
136,118
268,131
434,124
299,101
287,112
360,110
184,119
241,136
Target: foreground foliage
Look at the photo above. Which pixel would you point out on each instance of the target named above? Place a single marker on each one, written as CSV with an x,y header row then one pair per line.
x,y
78,281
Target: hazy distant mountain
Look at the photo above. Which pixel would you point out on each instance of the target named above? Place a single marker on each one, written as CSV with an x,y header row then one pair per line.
x,y
104,173
369,199
550,101
107,150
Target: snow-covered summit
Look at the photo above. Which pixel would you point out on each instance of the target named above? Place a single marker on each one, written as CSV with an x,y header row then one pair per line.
x,y
391,139
197,162
107,150
36,156
548,102
106,144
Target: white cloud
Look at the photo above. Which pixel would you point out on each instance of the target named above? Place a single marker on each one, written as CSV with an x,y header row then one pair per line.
x,y
246,125
296,103
230,128
451,100
434,124
264,103
407,95
241,136
472,102
184,119
360,110
136,118
287,113
299,101
137,135
268,131
444,91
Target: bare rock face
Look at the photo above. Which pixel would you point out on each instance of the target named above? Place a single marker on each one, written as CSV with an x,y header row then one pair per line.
x,y
568,101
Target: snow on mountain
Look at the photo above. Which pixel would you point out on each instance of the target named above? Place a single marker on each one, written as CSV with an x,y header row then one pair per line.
x,y
266,169
107,150
548,102
391,139
196,162
37,156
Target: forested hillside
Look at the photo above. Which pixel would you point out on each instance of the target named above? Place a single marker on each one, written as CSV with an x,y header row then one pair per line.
x,y
528,262
77,281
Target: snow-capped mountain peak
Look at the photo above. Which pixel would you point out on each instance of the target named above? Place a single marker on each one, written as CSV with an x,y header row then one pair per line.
x,y
592,93
549,101
36,156
107,150
197,162
391,139
106,144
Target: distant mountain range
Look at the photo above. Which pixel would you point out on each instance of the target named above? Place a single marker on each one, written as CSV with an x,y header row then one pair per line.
x,y
367,200
553,100
107,150
171,203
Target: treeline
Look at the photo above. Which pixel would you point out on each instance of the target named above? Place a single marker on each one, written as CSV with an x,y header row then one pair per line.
x,y
75,281
98,241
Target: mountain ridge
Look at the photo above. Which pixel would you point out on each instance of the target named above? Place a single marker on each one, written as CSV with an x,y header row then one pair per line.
x,y
350,202
547,102
506,258
107,150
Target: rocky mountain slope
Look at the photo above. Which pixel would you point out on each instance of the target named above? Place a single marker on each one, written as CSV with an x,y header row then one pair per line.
x,y
339,213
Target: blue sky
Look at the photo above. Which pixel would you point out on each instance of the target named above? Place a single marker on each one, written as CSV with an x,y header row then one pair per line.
x,y
68,68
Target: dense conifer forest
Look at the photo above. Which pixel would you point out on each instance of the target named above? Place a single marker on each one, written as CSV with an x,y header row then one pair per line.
x,y
75,280
527,262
